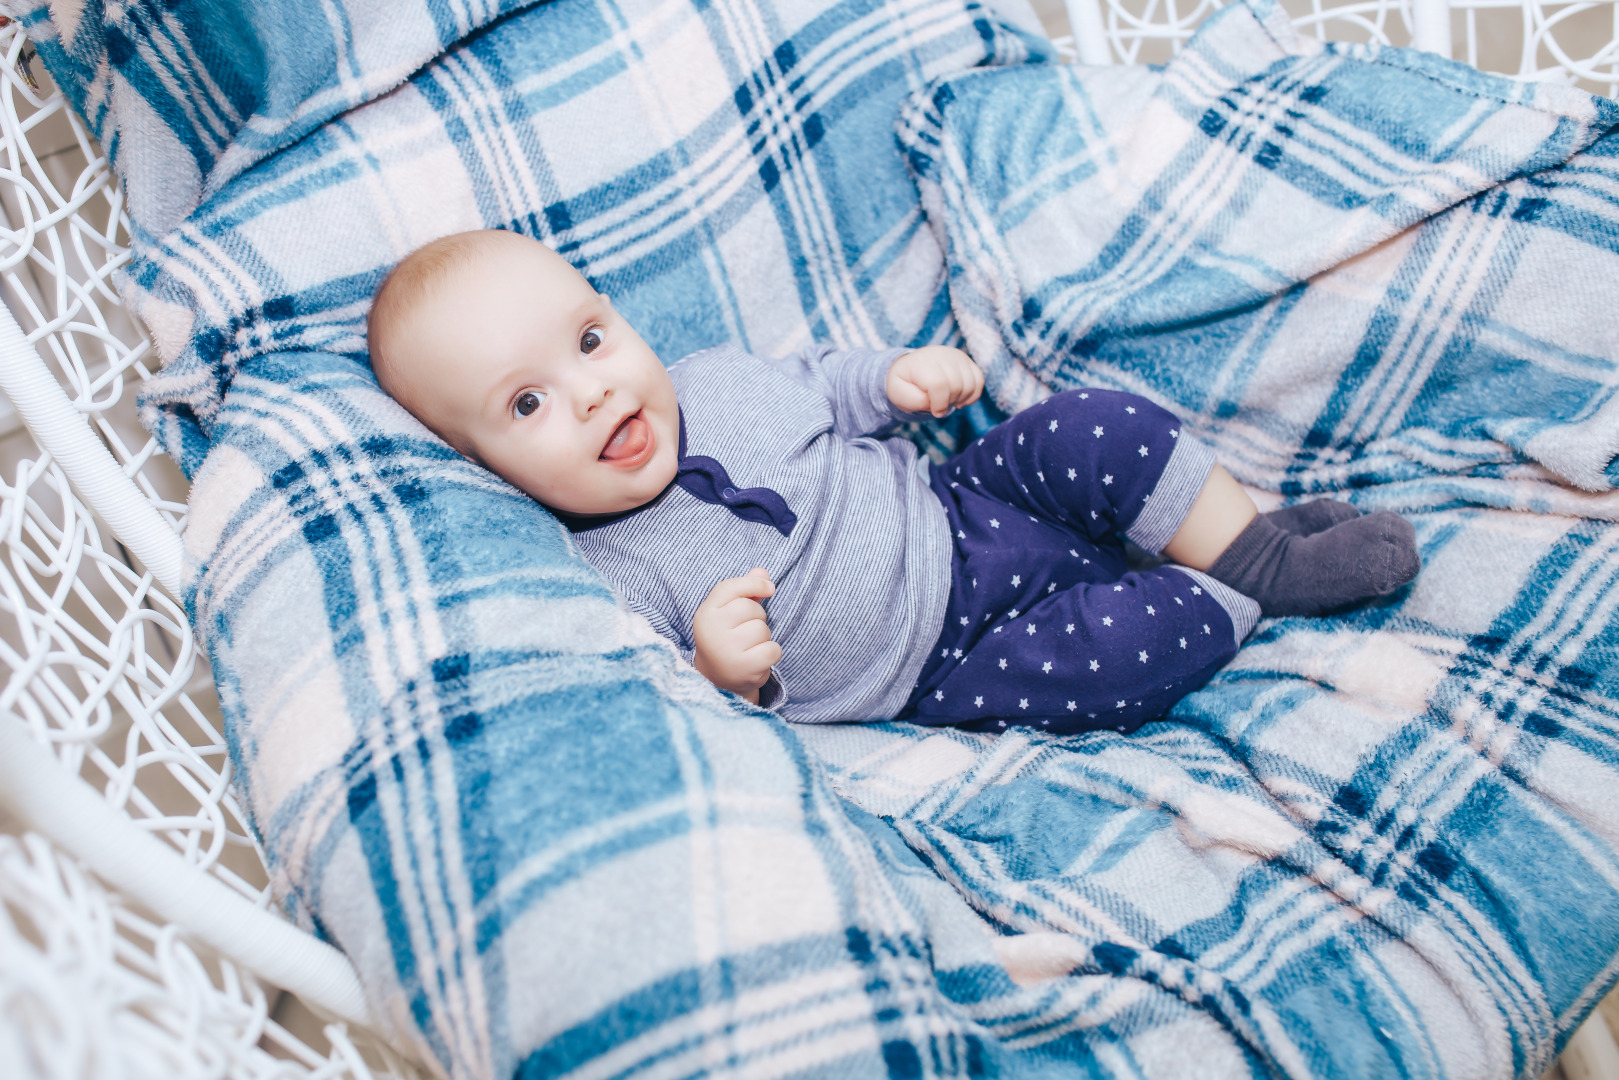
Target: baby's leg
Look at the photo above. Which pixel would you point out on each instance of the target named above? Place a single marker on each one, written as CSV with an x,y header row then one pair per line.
x,y
1100,461
1087,656
1047,629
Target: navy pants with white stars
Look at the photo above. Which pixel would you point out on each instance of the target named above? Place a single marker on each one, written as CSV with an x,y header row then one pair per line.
x,y
1046,625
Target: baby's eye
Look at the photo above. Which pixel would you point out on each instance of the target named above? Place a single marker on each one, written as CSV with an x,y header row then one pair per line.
x,y
528,403
589,341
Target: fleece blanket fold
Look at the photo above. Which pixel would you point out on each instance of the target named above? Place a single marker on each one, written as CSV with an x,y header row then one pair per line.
x,y
1354,266
1382,844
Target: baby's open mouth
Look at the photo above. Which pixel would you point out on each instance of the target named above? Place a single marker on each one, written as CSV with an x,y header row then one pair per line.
x,y
631,440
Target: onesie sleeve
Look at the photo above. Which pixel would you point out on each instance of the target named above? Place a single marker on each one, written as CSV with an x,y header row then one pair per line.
x,y
853,381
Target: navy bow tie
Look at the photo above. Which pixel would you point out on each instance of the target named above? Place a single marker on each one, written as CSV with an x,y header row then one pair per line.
x,y
706,479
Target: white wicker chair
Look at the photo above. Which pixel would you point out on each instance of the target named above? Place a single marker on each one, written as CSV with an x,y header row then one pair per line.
x,y
135,938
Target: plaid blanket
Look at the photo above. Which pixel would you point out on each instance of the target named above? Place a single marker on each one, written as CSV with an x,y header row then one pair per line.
x,y
1382,844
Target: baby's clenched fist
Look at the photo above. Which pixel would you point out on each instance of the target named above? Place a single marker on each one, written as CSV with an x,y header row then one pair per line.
x,y
734,650
934,379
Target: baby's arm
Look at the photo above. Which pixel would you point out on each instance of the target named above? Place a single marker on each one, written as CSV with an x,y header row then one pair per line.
x,y
734,648
868,389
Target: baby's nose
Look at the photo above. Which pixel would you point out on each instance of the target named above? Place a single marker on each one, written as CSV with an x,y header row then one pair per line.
x,y
595,396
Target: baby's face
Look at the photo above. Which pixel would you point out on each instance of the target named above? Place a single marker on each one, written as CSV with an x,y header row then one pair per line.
x,y
519,362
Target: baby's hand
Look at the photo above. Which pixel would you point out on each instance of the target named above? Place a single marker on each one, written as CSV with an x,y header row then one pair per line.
x,y
734,650
934,379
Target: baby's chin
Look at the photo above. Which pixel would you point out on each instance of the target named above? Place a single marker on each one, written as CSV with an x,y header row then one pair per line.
x,y
644,486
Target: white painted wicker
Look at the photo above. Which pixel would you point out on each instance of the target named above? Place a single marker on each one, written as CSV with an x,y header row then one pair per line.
x,y
134,935
1575,42
152,966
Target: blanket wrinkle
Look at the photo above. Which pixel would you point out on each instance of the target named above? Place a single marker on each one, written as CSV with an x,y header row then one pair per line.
x,y
187,97
1420,297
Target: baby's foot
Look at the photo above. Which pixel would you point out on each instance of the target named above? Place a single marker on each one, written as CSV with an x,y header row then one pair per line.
x,y
1352,561
1307,519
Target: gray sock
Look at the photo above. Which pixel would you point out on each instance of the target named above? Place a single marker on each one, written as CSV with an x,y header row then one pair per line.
x,y
1352,561
1307,519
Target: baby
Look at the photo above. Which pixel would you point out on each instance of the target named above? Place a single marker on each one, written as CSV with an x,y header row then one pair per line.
x,y
988,591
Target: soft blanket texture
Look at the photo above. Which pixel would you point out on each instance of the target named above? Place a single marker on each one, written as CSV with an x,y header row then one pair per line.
x,y
1382,844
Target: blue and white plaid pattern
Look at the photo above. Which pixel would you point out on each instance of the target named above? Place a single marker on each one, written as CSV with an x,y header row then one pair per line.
x,y
1376,845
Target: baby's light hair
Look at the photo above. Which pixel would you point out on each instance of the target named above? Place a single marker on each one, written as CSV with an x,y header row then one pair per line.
x,y
409,284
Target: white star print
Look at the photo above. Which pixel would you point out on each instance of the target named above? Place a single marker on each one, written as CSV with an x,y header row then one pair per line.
x,y
1196,591
1083,397
956,653
1023,703
1046,667
1070,628
1093,515
977,481
1206,628
960,535
1020,438
1052,587
997,629
1003,723
1031,629
1174,433
938,695
1074,553
1118,588
1183,643
1108,479
998,460
1150,611
1120,705
1178,601
1143,451
944,652
1025,488
994,524
1095,666
1142,655
1072,706
1012,614
1131,409
1054,425
1107,620
1003,663
1072,474
964,620
1097,431
1041,475
978,702
1016,581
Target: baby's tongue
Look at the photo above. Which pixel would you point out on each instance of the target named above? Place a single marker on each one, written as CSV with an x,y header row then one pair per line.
x,y
629,440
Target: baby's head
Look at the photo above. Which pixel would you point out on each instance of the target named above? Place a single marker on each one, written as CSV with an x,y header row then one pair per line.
x,y
506,352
